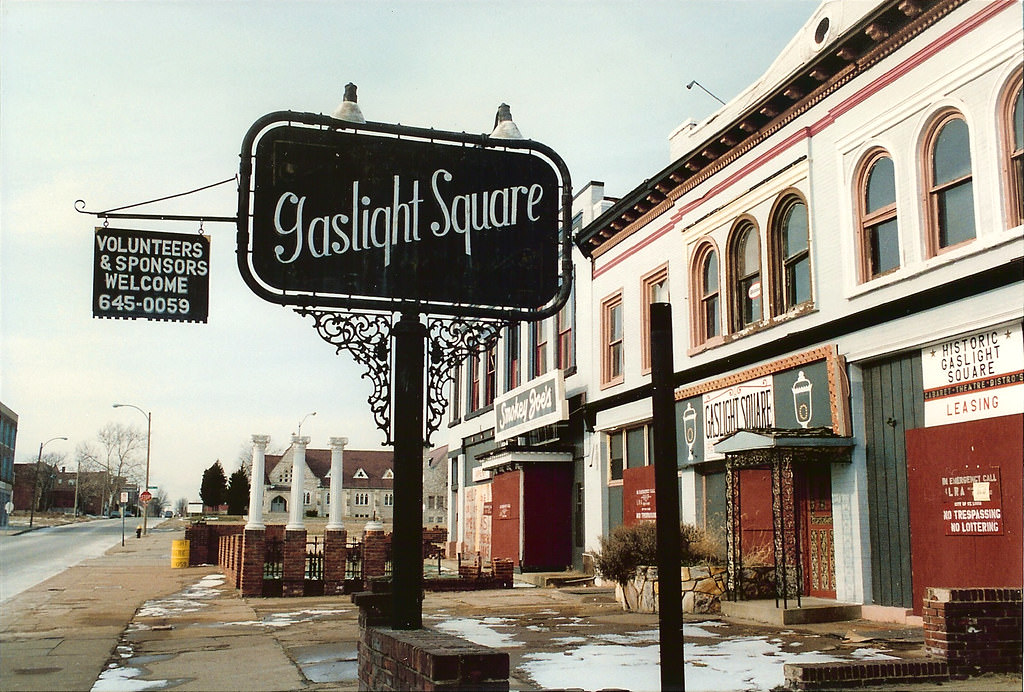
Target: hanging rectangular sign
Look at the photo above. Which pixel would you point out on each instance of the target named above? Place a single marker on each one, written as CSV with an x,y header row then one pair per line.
x,y
333,214
151,275
537,403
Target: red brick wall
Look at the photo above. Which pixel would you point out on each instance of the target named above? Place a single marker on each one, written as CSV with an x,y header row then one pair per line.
x,y
293,567
203,547
250,580
335,555
426,660
975,630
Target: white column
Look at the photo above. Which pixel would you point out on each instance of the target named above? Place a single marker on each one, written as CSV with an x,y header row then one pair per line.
x,y
296,521
259,460
460,501
337,476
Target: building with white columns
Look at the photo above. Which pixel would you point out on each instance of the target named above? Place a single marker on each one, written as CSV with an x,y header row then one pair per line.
x,y
365,492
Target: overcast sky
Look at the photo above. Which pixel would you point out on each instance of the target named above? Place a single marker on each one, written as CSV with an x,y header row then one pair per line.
x,y
120,102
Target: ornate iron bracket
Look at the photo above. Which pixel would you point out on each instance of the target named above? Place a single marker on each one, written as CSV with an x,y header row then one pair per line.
x,y
450,341
367,336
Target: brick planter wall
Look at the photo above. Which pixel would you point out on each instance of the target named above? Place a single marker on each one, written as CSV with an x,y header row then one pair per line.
x,y
229,558
974,630
375,554
967,632
204,541
421,659
250,580
840,674
293,563
335,554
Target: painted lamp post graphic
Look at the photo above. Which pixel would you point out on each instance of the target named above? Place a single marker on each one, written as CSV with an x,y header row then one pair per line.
x,y
689,430
354,222
802,400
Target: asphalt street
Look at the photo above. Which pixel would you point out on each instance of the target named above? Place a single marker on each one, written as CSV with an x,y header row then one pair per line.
x,y
30,557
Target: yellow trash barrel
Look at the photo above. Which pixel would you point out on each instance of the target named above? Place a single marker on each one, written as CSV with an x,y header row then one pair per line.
x,y
179,553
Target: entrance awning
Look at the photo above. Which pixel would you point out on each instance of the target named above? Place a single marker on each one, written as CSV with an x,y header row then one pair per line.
x,y
782,438
511,455
780,451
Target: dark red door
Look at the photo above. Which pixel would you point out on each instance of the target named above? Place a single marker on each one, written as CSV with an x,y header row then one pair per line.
x,y
816,534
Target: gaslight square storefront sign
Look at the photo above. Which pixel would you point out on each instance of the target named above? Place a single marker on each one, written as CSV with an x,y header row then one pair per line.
x,y
798,392
974,376
379,216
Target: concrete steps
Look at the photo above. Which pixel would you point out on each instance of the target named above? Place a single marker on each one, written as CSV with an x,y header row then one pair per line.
x,y
811,610
555,579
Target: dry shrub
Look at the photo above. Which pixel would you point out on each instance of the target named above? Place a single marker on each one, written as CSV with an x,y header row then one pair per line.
x,y
629,547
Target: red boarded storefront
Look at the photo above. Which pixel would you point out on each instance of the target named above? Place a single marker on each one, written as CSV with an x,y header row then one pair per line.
x,y
964,483
531,512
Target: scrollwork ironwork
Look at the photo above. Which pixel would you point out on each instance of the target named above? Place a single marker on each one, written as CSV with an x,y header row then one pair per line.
x,y
367,336
450,341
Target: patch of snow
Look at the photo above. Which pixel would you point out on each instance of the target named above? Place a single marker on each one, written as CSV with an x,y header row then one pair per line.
x,y
748,663
633,637
480,631
125,680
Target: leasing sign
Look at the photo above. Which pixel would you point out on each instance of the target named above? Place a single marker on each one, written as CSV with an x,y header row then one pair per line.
x,y
333,214
974,376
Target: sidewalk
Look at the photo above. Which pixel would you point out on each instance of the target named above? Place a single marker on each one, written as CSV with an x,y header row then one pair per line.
x,y
128,621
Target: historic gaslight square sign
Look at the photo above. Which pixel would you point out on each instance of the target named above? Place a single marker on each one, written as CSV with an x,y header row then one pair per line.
x,y
379,216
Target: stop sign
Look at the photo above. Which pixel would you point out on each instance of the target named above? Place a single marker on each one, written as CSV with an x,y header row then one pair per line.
x,y
145,496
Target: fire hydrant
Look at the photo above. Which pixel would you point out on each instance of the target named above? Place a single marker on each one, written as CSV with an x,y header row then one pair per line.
x,y
138,532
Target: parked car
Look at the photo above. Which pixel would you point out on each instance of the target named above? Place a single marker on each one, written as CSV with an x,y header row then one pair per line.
x,y
168,514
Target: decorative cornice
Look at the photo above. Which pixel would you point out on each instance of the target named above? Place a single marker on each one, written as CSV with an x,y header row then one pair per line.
x,y
889,28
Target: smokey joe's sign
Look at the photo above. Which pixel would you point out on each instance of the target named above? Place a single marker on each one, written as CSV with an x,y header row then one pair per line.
x,y
379,216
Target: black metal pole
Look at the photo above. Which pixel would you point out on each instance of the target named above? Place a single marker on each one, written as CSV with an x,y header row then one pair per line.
x,y
407,540
666,492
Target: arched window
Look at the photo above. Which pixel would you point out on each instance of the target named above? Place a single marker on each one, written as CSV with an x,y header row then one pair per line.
x,y
791,257
1013,128
879,234
707,310
745,264
950,184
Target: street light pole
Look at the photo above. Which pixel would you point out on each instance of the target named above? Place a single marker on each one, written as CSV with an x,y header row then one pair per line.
x,y
78,474
311,413
149,437
35,479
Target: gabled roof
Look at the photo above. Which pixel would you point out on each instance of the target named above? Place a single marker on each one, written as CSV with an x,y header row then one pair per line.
x,y
375,464
840,41
437,456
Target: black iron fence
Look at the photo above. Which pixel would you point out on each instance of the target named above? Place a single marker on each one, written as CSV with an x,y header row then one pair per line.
x,y
273,561
314,560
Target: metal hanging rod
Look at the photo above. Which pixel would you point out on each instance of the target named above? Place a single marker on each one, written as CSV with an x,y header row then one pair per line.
x,y
110,213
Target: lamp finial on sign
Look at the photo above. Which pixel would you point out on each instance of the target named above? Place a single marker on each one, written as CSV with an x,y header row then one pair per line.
x,y
504,127
349,109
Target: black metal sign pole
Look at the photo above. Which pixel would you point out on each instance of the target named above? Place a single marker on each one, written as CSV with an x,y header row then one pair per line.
x,y
666,492
407,541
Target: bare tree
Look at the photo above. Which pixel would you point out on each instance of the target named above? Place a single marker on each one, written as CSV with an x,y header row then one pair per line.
x,y
158,504
44,478
181,507
119,452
